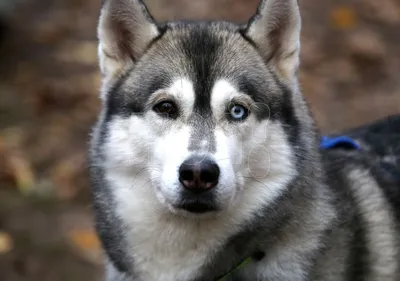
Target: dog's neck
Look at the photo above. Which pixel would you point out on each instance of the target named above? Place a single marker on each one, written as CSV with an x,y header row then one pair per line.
x,y
171,246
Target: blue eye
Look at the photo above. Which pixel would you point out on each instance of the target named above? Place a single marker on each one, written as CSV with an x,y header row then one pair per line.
x,y
238,112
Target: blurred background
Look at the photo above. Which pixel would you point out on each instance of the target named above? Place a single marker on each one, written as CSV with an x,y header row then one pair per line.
x,y
49,84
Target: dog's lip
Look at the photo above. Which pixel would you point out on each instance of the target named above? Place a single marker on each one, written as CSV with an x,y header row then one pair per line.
x,y
197,207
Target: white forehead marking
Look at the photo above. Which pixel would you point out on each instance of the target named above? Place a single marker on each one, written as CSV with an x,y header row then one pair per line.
x,y
223,90
182,89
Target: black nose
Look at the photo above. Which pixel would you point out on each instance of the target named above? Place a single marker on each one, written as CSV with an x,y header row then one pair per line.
x,y
199,174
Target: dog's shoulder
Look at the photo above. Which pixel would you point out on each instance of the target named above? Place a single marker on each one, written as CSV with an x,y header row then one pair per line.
x,y
377,156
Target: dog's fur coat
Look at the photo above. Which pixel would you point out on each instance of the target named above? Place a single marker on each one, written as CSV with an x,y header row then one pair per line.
x,y
301,213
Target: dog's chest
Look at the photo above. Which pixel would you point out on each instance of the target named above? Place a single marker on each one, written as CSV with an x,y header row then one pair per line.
x,y
165,248
164,252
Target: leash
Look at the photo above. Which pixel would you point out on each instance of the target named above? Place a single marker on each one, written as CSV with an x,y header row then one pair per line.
x,y
326,143
237,268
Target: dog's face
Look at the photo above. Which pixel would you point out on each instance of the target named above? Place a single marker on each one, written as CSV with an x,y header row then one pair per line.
x,y
200,115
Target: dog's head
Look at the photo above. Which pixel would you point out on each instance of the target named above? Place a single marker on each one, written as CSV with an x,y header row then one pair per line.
x,y
205,114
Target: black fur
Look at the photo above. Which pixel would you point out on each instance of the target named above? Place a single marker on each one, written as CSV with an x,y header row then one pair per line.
x,y
201,50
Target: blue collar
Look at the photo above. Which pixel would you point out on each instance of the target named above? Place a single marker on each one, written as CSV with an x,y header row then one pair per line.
x,y
339,141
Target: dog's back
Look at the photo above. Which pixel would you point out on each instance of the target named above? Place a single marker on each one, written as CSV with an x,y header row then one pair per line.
x,y
366,185
378,152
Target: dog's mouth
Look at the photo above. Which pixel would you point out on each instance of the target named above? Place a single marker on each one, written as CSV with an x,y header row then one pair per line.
x,y
197,206
188,203
205,202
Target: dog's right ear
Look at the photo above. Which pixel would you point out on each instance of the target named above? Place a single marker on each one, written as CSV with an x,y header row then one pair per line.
x,y
125,29
275,31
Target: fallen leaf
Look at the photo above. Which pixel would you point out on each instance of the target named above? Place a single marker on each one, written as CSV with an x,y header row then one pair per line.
x,y
84,239
66,175
6,242
86,244
343,17
22,173
15,165
367,44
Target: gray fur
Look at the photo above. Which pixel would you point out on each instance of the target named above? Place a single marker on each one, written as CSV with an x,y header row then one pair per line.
x,y
334,216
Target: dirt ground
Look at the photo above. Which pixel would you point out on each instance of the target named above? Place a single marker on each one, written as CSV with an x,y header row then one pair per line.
x,y
49,83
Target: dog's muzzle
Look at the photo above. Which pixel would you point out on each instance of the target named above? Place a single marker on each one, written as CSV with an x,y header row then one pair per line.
x,y
198,176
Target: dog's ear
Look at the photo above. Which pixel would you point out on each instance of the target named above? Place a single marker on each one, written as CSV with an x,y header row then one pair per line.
x,y
275,30
125,29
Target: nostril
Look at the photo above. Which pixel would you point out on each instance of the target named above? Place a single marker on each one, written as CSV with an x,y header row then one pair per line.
x,y
186,174
209,173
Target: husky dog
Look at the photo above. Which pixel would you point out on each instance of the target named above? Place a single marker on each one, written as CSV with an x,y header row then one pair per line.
x,y
206,164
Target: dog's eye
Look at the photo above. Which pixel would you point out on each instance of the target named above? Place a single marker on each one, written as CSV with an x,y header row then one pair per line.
x,y
238,112
166,109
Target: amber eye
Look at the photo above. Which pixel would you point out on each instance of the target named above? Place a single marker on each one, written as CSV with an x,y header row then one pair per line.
x,y
166,109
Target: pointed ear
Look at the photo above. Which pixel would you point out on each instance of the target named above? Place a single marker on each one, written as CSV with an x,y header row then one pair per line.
x,y
275,30
125,30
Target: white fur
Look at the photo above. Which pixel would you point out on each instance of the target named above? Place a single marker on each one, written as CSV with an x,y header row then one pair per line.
x,y
143,157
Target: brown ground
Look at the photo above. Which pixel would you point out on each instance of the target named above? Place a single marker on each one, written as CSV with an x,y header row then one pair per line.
x,y
48,99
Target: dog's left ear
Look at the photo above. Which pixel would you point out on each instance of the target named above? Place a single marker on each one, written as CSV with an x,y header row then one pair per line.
x,y
275,30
